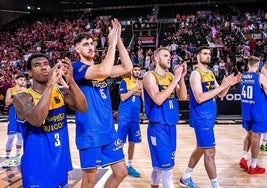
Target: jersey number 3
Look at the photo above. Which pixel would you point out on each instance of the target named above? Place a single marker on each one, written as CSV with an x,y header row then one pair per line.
x,y
57,142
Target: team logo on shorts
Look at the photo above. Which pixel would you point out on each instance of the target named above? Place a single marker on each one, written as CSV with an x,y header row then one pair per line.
x,y
118,144
138,133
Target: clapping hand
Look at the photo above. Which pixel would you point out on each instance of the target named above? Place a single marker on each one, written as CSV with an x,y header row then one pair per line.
x,y
114,32
178,71
231,80
67,69
55,74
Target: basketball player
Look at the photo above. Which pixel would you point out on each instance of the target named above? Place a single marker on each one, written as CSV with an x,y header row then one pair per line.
x,y
46,156
161,92
13,127
203,90
131,96
96,137
253,90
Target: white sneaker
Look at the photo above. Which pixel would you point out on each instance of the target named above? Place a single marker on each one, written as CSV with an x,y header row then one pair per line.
x,y
6,163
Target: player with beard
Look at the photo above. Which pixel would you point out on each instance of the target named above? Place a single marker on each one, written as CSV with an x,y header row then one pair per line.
x,y
203,90
161,92
96,137
131,96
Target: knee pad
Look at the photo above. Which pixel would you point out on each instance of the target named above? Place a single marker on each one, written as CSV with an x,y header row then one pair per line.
x,y
19,139
9,142
167,179
156,176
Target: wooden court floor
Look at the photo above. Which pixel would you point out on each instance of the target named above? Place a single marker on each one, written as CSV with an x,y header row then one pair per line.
x,y
229,138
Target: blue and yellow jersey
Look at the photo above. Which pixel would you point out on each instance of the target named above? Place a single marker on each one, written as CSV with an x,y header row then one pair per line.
x,y
253,98
13,125
96,126
168,112
130,84
46,147
130,108
11,109
13,91
204,114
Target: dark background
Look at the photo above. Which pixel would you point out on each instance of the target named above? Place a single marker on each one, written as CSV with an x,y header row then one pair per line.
x,y
12,9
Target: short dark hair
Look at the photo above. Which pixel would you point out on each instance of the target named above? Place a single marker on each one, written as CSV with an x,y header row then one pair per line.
x,y
20,75
136,65
78,38
32,57
200,48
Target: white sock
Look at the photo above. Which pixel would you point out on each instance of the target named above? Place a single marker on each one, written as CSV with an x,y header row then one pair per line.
x,y
264,139
253,163
130,162
18,152
214,183
245,155
187,173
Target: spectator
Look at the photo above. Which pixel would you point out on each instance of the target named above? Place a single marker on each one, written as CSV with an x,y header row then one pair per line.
x,y
216,70
229,67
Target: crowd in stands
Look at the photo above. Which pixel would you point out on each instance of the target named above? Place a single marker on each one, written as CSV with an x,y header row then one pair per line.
x,y
232,38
